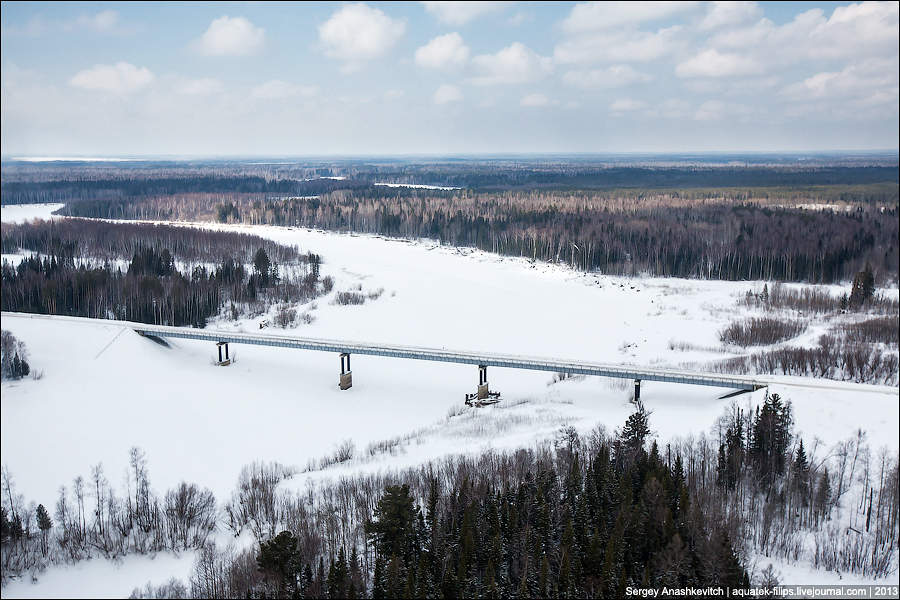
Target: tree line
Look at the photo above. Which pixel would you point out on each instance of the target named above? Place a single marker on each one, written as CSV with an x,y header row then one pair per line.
x,y
662,234
91,518
583,516
90,238
153,288
75,183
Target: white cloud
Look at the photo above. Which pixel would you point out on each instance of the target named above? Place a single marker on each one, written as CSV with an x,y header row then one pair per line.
x,y
106,20
535,100
730,13
514,64
231,36
851,32
447,93
394,94
278,90
357,33
120,78
442,52
618,46
596,16
875,81
627,105
200,87
712,63
460,13
610,77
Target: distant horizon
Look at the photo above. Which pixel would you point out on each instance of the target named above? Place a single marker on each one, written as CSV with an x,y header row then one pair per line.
x,y
138,157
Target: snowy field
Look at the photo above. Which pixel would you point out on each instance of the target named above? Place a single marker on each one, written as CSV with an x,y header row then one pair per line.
x,y
418,186
19,213
104,578
105,389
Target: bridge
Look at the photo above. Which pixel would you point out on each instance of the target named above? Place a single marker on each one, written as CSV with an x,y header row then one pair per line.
x,y
482,360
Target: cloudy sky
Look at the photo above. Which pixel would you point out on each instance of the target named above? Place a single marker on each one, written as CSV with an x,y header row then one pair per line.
x,y
447,77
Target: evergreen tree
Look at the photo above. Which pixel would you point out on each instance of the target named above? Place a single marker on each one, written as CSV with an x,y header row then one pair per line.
x,y
393,527
44,523
801,474
379,579
279,559
261,266
863,287
635,431
771,438
338,576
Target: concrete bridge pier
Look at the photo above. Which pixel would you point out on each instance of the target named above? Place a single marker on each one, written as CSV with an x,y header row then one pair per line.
x,y
223,362
483,394
483,390
346,374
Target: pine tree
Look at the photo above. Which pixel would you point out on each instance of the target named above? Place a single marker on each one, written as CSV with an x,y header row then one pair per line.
x,y
771,438
279,558
863,287
635,431
338,576
44,524
393,527
493,592
801,474
379,580
544,579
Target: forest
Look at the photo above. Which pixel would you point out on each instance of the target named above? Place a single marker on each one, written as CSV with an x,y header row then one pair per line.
x,y
150,273
52,182
819,220
584,516
642,233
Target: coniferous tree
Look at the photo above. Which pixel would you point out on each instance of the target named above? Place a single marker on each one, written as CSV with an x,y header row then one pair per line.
x,y
771,438
280,560
801,474
44,523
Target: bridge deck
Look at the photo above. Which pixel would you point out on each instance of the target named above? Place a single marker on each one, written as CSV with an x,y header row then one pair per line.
x,y
490,359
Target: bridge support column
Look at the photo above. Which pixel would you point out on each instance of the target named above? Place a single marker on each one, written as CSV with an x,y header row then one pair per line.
x,y
637,390
483,394
223,362
483,390
346,374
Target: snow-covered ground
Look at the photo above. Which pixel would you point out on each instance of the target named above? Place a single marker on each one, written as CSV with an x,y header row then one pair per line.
x,y
433,296
100,578
418,186
105,389
19,213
